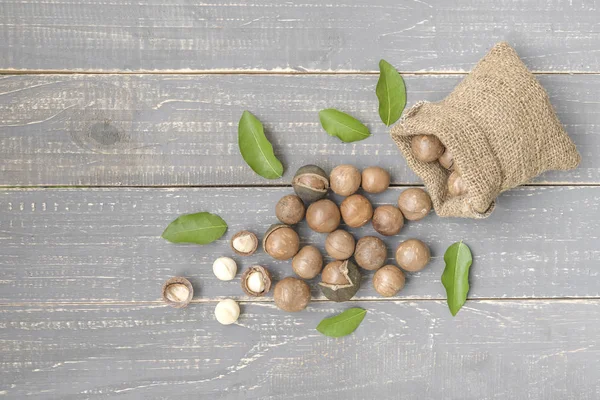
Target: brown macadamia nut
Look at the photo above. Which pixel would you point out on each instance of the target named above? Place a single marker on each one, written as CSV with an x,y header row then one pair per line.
x,y
426,148
281,242
388,280
414,203
290,209
387,220
344,180
446,160
291,294
370,253
375,180
308,262
412,255
340,244
356,210
456,185
323,216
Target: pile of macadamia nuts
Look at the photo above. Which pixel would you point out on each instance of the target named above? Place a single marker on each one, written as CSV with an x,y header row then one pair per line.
x,y
341,276
428,148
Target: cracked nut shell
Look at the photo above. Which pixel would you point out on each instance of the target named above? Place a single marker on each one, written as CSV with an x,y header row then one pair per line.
x,y
370,253
345,179
426,148
290,209
310,183
177,292
388,280
412,255
356,210
308,263
375,180
244,243
281,242
323,216
340,244
256,281
387,220
340,280
414,203
291,294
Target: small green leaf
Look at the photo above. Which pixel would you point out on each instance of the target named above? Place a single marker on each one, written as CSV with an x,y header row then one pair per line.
x,y
342,324
199,228
391,93
256,148
455,277
343,126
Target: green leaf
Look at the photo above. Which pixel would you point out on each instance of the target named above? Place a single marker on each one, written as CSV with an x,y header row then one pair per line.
x,y
391,93
256,148
455,277
343,126
342,324
199,228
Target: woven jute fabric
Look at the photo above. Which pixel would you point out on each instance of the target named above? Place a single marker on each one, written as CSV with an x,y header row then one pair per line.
x,y
499,126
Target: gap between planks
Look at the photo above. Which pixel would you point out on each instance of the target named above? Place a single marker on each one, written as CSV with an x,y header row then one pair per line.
x,y
270,300
267,186
282,71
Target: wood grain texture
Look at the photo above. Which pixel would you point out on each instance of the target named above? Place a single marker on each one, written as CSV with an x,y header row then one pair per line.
x,y
104,245
111,130
490,350
311,35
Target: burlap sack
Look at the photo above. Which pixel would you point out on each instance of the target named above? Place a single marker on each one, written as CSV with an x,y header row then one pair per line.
x,y
499,126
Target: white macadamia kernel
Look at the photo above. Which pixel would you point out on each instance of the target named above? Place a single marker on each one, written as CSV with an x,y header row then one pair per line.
x,y
244,243
225,268
255,282
227,311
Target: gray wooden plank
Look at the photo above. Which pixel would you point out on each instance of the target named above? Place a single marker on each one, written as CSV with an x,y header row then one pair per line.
x,y
169,130
104,245
490,350
344,35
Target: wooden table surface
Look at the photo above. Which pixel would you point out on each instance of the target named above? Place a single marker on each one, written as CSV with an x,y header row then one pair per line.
x,y
118,116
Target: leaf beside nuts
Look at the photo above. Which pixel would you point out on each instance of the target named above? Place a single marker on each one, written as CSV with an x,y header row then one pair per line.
x,y
455,277
256,149
391,93
199,228
342,324
343,126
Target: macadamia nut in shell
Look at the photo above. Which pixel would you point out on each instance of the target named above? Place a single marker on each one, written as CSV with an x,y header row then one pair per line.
x,y
412,255
356,210
308,263
323,216
414,203
370,253
345,179
291,294
375,180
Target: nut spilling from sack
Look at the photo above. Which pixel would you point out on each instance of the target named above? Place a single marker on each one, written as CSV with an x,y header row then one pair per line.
x,y
495,131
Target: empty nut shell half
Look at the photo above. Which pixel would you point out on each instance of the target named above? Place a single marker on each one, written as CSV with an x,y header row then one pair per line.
x,y
340,280
256,281
177,292
244,243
